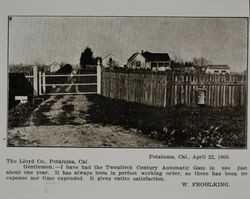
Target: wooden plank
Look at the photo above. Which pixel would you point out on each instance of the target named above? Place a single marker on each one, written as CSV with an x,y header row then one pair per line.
x,y
71,75
168,90
208,95
213,96
79,93
230,96
219,95
233,96
224,95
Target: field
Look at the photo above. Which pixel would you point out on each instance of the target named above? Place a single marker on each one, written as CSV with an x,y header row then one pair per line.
x,y
62,121
97,121
178,126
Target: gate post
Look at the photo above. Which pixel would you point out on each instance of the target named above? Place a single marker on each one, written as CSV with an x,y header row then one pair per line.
x,y
35,86
44,84
99,74
40,82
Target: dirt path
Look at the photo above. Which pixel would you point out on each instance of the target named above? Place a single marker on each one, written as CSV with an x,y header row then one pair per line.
x,y
61,121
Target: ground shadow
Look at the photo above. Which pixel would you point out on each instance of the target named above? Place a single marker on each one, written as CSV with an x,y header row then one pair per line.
x,y
178,126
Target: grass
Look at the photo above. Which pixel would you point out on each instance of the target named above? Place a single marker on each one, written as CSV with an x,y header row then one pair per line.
x,y
178,126
19,115
40,118
66,117
68,108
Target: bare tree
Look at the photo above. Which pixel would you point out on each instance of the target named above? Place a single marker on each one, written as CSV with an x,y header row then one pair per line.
x,y
200,63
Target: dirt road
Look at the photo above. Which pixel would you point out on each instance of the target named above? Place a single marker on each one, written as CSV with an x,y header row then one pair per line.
x,y
62,121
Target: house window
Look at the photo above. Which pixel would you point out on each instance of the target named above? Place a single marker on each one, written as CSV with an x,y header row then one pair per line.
x,y
160,64
223,71
216,71
166,64
138,63
153,64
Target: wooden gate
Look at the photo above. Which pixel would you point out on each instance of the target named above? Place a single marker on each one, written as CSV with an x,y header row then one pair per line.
x,y
70,84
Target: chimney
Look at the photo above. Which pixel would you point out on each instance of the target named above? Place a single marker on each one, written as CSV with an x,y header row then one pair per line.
x,y
142,51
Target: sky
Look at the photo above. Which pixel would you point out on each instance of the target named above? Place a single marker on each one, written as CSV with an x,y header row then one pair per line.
x,y
45,40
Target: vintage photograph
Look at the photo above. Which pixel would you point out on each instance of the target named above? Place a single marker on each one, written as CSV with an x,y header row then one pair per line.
x,y
127,82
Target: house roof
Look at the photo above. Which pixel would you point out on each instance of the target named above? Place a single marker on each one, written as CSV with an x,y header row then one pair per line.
x,y
218,67
104,57
54,63
151,56
107,56
155,56
133,56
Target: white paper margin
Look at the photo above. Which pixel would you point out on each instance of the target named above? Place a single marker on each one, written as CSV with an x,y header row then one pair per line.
x,y
240,187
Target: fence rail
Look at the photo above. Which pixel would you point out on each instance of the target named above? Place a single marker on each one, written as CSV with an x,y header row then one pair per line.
x,y
171,89
69,84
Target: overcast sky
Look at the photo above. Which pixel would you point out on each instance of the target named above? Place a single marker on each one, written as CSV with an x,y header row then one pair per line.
x,y
62,39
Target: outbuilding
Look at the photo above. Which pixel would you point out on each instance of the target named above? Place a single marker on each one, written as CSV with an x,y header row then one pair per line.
x,y
218,69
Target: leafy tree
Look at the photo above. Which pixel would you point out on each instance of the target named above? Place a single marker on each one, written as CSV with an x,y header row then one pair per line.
x,y
66,69
86,58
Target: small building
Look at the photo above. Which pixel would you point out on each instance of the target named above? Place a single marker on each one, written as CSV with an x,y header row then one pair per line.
x,y
148,60
218,69
54,67
111,61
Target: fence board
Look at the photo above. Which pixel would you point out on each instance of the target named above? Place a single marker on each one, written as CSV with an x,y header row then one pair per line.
x,y
171,89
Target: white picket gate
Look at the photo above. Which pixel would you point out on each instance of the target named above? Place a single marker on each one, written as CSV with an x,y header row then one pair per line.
x,y
66,84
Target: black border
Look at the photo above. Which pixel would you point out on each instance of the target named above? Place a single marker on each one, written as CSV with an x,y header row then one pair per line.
x,y
141,16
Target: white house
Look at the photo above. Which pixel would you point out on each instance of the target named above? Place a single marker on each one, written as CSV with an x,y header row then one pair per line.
x,y
112,61
218,69
148,60
54,67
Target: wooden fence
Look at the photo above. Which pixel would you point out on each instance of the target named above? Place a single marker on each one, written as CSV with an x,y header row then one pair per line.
x,y
171,89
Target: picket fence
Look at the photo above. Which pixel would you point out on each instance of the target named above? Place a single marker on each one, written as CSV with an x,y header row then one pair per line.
x,y
173,88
